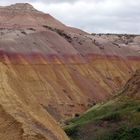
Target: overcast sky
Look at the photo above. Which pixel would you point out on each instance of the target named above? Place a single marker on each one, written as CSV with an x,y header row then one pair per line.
x,y
99,16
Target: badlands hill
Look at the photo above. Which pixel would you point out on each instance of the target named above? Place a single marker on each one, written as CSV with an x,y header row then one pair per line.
x,y
50,72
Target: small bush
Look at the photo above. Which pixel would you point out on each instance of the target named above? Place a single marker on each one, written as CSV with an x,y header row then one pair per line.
x,y
72,132
138,109
32,29
23,32
77,115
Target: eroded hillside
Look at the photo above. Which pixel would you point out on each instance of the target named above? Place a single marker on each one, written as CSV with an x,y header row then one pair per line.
x,y
21,116
49,69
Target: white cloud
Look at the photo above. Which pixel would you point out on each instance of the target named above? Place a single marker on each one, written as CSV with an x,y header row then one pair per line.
x,y
118,16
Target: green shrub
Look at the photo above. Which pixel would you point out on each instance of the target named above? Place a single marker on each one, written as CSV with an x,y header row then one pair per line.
x,y
138,109
71,132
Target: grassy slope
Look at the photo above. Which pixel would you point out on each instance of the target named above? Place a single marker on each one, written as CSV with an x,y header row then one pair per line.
x,y
117,119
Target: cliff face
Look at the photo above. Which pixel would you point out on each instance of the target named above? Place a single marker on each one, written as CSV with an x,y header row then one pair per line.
x,y
48,68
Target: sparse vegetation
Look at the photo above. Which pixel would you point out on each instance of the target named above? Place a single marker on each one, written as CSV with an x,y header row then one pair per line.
x,y
117,119
60,32
23,32
32,29
108,116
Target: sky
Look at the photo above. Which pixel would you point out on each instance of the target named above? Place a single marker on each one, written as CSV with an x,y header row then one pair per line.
x,y
94,16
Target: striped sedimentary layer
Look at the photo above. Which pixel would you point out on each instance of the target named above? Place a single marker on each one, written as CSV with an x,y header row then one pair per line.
x,y
49,70
33,88
69,84
67,72
51,74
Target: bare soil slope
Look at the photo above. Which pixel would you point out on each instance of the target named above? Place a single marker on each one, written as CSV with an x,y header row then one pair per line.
x,y
49,69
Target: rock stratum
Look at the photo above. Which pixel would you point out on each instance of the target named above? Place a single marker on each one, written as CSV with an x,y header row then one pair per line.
x,y
50,72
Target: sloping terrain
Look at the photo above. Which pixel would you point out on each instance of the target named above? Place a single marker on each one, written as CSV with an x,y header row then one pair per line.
x,y
11,129
21,116
50,72
116,119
